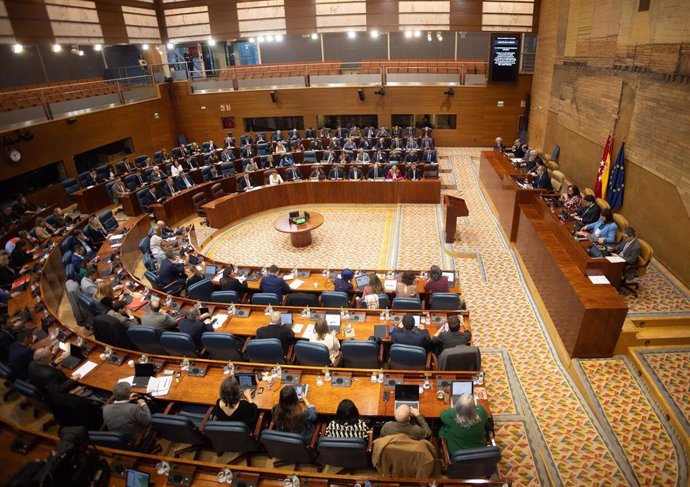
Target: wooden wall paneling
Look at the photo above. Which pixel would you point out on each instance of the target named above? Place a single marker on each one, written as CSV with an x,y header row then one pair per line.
x,y
382,15
59,140
479,119
466,15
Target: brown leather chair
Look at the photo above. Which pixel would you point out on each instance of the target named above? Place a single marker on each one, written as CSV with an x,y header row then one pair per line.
x,y
622,224
646,254
217,191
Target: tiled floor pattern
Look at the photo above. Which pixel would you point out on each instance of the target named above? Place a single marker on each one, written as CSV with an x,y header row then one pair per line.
x,y
671,370
636,425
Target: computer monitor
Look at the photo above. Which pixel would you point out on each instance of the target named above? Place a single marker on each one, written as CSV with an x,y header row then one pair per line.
x,y
362,280
450,276
136,478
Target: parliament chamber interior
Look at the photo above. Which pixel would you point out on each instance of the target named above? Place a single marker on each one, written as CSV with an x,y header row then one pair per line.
x,y
379,243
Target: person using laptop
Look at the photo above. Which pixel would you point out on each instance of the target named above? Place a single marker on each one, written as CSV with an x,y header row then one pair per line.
x,y
602,231
464,426
275,329
456,335
437,283
49,378
408,334
233,405
408,421
126,414
323,335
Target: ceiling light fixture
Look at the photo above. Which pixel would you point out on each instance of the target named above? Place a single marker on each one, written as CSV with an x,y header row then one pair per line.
x,y
97,47
279,38
145,47
80,52
17,48
351,34
408,34
252,40
374,34
428,36
170,45
314,36
417,33
261,39
269,38
211,41
56,48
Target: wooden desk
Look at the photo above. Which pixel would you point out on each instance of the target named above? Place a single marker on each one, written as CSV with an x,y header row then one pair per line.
x,y
300,235
93,198
231,208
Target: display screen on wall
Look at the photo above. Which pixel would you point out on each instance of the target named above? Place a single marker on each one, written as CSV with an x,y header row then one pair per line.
x,y
269,124
228,123
437,121
335,121
505,57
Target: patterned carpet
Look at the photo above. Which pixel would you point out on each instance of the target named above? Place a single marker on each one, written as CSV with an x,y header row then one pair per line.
x,y
547,433
660,294
670,369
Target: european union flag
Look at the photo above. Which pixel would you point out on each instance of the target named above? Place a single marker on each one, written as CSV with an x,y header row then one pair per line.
x,y
614,194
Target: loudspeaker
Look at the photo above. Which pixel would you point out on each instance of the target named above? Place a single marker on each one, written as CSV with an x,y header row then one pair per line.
x,y
360,94
274,96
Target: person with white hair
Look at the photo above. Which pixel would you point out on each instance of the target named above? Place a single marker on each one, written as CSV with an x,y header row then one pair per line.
x,y
409,422
128,414
464,426
500,146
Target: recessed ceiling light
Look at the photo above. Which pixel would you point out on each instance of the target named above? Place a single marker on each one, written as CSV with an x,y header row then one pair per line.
x,y
374,34
279,38
17,48
269,38
252,40
80,52
145,47
417,33
428,36
314,36
97,47
170,45
261,39
211,42
56,48
408,34
351,34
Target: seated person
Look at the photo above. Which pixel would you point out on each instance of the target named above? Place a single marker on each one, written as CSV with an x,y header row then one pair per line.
x,y
411,144
394,174
437,283
456,335
408,421
365,144
280,148
7,273
157,319
275,329
316,144
170,271
336,173
24,207
251,165
464,426
148,199
370,293
247,152
275,178
296,146
395,157
193,325
376,171
347,423
267,162
362,156
20,353
396,144
88,282
344,282
407,286
429,156
273,283
170,187
184,181
230,283
293,174
533,160
349,145
334,144
235,405
355,174
407,333
47,377
590,211
344,158
414,174
96,231
213,173
289,416
156,175
602,231
330,157
499,146
193,275
543,180
245,183
628,249
381,144
44,231
412,156
427,142
294,134
572,199
277,136
120,313
157,244
286,160
518,149
128,414
323,335
317,174
19,256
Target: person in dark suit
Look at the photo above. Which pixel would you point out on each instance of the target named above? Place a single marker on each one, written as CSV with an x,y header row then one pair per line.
x,y
456,335
500,146
543,180
407,334
413,174
20,353
78,260
275,329
259,138
629,249
412,156
7,274
369,133
48,378
277,136
294,134
272,283
380,156
170,271
293,174
20,257
170,188
533,160
427,142
376,171
244,183
381,144
184,181
355,174
317,173
396,143
229,283
429,156
247,152
336,173
590,211
148,198
96,231
316,144
193,325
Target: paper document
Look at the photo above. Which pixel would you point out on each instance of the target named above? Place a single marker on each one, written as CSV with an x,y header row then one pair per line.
x,y
297,328
614,259
117,237
296,283
599,280
85,369
242,278
219,320
308,332
128,380
389,284
115,245
159,386
289,277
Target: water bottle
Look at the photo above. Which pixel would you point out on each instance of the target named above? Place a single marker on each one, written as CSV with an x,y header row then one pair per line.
x,y
327,375
373,376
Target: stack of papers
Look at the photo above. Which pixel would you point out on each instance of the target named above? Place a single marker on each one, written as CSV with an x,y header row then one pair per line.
x,y
219,320
159,386
599,280
308,332
297,328
614,259
296,283
289,277
118,236
85,368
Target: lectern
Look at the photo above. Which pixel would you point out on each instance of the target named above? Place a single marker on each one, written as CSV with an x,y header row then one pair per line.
x,y
455,208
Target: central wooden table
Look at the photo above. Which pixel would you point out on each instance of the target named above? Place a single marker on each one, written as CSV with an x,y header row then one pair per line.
x,y
300,235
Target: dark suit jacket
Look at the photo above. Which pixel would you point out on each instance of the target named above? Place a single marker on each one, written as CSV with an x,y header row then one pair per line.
x,y
380,173
590,214
96,236
274,284
148,199
50,379
170,272
293,174
169,192
242,184
414,174
232,284
282,333
416,337
544,182
336,174
352,175
194,328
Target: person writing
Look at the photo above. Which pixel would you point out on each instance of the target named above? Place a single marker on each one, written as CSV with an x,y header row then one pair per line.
x,y
394,174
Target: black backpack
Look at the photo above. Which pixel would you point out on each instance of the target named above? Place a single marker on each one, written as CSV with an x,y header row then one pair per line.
x,y
74,462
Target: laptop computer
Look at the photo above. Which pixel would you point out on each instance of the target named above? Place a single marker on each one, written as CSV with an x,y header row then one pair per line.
x,y
286,319
210,271
142,375
136,478
106,271
458,388
76,355
246,380
406,394
362,280
450,276
333,321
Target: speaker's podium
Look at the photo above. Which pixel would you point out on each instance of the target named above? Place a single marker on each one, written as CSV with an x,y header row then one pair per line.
x,y
455,208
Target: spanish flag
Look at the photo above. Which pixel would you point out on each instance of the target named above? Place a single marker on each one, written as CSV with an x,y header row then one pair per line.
x,y
602,180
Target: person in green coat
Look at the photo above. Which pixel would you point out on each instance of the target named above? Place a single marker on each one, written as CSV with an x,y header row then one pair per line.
x,y
464,426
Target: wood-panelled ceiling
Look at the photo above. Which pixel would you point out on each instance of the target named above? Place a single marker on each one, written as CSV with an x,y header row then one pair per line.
x,y
155,21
